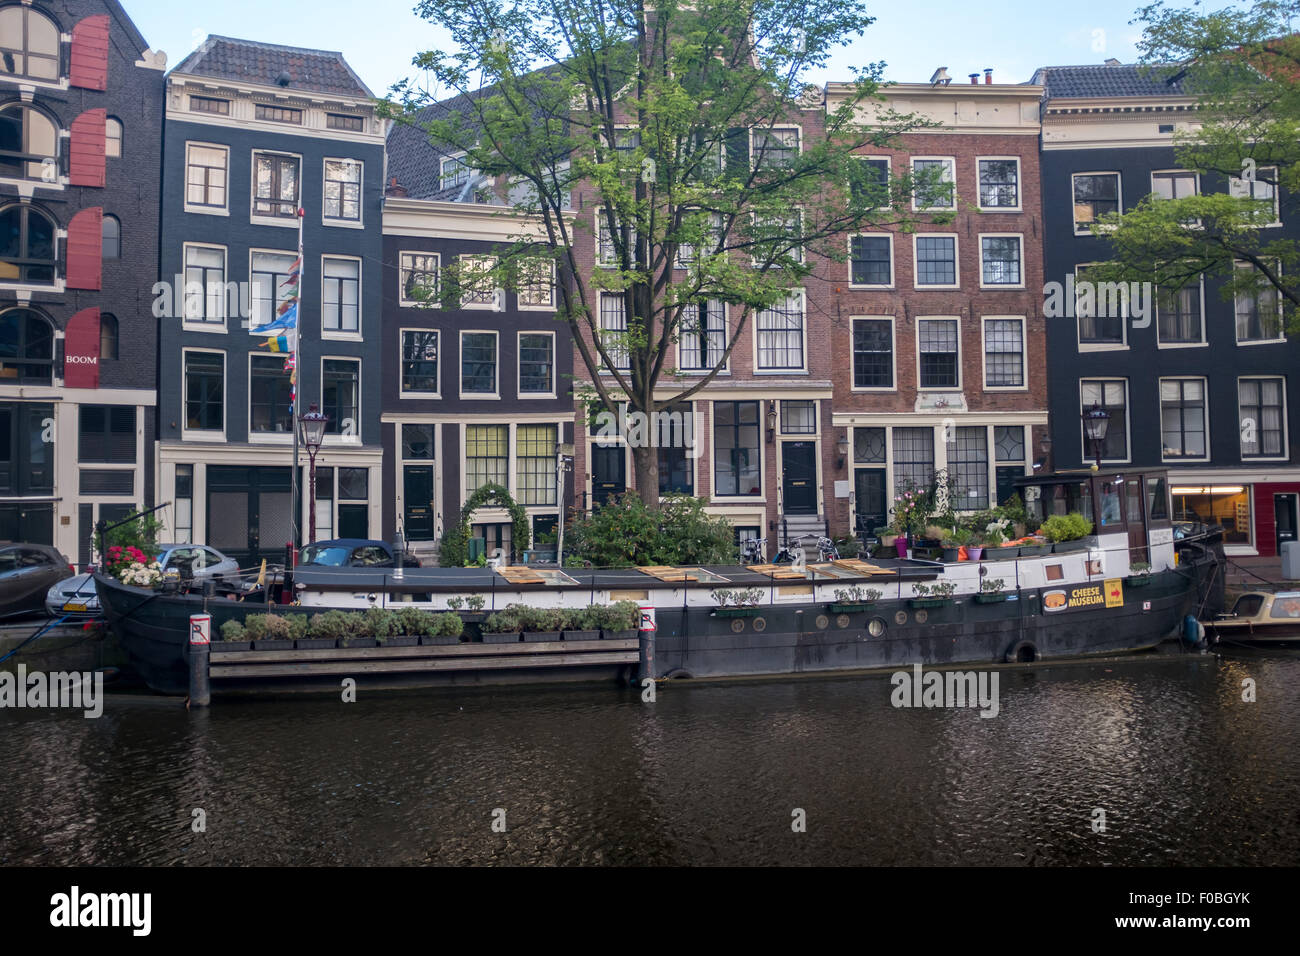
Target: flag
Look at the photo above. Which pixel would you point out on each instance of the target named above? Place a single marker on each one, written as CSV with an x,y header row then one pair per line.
x,y
279,343
285,320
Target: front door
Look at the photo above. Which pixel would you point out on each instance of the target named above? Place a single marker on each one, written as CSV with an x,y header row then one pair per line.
x,y
417,499
1135,503
249,512
869,500
799,477
1284,516
608,473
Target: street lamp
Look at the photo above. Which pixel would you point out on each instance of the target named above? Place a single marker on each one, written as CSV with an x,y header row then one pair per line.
x,y
842,446
563,462
311,429
1095,422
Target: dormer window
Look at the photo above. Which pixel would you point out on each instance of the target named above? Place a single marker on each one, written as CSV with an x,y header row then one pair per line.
x,y
29,44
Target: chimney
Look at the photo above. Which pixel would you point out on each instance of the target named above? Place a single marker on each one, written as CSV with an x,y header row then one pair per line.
x,y
974,79
395,190
988,75
940,77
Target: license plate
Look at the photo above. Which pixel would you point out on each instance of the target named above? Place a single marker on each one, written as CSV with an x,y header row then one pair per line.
x,y
74,607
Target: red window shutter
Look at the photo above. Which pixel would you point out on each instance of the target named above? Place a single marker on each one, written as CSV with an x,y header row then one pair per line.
x,y
81,350
88,64
85,249
86,149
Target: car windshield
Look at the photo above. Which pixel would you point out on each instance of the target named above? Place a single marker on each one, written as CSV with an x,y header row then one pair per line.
x,y
335,556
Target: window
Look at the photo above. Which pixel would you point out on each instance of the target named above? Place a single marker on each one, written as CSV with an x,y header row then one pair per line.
x,y
798,418
1000,261
352,124
703,337
418,278
29,44
676,440
205,374
106,434
913,458
936,260
968,466
1263,188
1175,184
205,175
206,267
1095,195
873,353
736,449
453,172
713,240
343,190
341,396
1004,353
606,249
486,456
1259,313
275,185
26,349
869,187
869,446
27,245
113,137
1112,395
184,504
107,336
780,334
775,148
29,144
535,283
277,114
626,142
535,473
772,237
1009,447
932,182
110,235
417,442
1261,404
999,183
536,363
269,274
937,347
1182,417
477,285
1100,308
340,295
478,363
871,261
1179,318
613,330
270,407
419,360
208,104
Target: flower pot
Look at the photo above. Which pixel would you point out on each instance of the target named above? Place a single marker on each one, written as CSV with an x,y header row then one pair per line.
x,y
539,636
738,611
309,643
1002,552
359,642
951,555
402,640
990,597
929,602
512,637
582,635
850,608
1138,580
439,640
1065,547
218,647
974,552
900,545
1036,550
273,645
619,635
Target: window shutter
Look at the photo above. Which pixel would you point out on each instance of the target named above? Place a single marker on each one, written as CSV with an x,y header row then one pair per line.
x,y
86,149
85,255
81,350
88,63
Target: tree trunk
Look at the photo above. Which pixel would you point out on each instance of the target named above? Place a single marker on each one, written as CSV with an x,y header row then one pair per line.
x,y
645,468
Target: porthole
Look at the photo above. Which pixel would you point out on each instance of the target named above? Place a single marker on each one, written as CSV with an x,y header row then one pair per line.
x,y
876,626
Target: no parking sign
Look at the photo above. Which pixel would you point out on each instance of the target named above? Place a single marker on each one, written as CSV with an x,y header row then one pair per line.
x,y
647,619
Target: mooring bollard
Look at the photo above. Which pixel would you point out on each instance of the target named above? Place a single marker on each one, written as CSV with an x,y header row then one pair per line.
x,y
646,633
200,639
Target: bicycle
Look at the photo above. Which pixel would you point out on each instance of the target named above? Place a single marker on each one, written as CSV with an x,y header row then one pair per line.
x,y
753,551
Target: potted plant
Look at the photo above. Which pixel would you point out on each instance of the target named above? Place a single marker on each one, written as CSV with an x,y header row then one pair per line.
x,y
1139,574
991,591
269,632
1067,532
737,602
956,539
853,599
543,624
325,630
936,594
583,624
619,620
1040,547
234,637
505,626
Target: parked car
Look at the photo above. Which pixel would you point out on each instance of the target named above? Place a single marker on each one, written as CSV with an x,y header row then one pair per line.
x,y
26,572
353,553
77,598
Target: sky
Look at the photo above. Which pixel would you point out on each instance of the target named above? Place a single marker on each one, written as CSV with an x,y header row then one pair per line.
x,y
378,38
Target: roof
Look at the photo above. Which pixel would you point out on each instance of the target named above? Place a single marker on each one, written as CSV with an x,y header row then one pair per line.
x,y
417,163
261,64
1111,79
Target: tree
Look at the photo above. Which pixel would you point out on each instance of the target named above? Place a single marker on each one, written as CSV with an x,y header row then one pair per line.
x,y
1243,68
647,117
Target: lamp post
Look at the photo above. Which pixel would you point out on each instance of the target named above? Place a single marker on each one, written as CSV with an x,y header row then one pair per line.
x,y
311,429
842,447
563,462
1095,422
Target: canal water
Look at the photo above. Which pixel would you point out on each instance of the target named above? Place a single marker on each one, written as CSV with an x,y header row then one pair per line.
x,y
1185,771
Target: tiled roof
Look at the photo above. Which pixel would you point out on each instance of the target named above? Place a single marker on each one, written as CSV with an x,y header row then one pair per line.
x,y
248,61
1110,79
414,161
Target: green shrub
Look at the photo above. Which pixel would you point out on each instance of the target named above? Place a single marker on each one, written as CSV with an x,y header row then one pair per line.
x,y
624,533
413,620
331,625
376,622
233,631
297,626
456,603
475,602
278,628
509,620
255,627
1069,527
446,625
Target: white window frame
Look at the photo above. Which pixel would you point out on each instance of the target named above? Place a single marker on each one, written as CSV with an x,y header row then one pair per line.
x,y
956,320
956,262
199,325
1020,185
726,337
1196,179
360,221
206,434
1020,238
442,170
1205,415
1281,310
1286,431
889,168
1083,229
262,438
600,231
402,300
549,305
519,365
342,334
798,254
285,222
1160,344
498,294
893,352
293,255
1236,187
460,365
893,274
802,295
355,437
402,391
952,178
1080,344
205,210
775,128
1024,353
600,328
1084,451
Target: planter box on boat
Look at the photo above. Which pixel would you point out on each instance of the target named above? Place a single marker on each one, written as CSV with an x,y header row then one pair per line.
x,y
738,611
314,643
539,636
990,597
850,608
439,640
929,602
582,635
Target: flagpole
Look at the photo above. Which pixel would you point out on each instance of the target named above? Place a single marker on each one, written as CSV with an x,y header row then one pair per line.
x,y
296,380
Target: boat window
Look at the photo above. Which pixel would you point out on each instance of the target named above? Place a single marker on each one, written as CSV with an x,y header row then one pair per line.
x,y
1248,605
1085,500
1286,607
1110,508
1133,495
330,557
1157,499
1055,572
553,577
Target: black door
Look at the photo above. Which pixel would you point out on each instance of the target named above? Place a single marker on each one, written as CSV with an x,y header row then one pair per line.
x,y
869,500
608,473
1284,513
799,477
249,512
417,496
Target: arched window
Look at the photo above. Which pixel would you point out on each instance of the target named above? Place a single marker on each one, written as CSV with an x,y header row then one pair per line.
x,y
26,348
29,44
29,144
27,245
107,336
113,136
111,230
